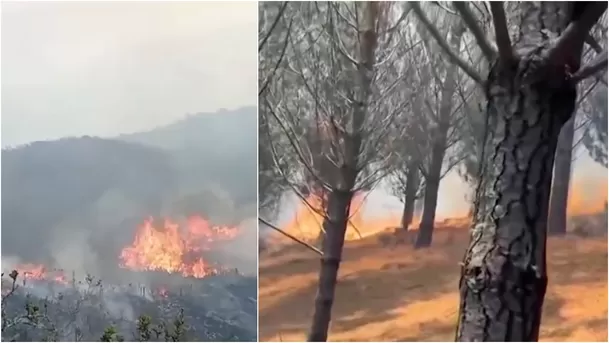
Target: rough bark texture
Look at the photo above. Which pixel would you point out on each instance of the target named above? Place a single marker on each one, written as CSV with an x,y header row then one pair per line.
x,y
557,215
503,277
438,150
335,225
410,195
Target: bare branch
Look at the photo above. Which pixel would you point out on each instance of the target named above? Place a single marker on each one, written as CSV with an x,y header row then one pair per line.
x,y
469,70
289,134
341,47
576,33
268,79
303,243
437,3
593,44
586,93
501,32
398,23
275,22
597,64
470,20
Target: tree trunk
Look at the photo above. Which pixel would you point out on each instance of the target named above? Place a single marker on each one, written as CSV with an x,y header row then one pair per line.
x,y
557,216
430,199
503,277
322,195
335,225
339,199
410,195
438,151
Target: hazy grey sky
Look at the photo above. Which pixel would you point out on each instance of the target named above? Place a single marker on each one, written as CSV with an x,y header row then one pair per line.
x,y
102,68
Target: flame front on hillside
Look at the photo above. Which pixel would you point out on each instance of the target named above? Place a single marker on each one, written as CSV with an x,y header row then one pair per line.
x,y
175,249
168,247
30,271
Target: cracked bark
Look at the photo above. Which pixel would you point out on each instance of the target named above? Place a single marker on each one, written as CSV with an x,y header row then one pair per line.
x,y
503,277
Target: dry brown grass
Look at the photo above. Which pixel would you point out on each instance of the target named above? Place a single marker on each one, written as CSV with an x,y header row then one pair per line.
x,y
398,294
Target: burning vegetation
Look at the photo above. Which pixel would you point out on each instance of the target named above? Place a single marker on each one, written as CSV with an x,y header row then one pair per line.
x,y
38,272
182,249
159,245
308,218
175,249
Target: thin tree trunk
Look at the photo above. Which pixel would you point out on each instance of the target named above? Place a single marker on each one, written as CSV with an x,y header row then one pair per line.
x,y
430,199
557,216
410,195
339,199
335,225
438,151
503,276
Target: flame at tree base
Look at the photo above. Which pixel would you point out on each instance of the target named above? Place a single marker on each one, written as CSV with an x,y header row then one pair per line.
x,y
308,220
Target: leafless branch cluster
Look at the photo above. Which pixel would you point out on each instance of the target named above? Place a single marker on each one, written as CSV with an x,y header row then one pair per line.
x,y
332,107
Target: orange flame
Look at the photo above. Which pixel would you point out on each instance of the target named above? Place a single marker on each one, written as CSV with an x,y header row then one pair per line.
x,y
584,199
174,249
38,272
162,292
308,221
587,197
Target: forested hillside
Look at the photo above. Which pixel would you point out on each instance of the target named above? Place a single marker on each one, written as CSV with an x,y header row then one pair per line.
x,y
105,186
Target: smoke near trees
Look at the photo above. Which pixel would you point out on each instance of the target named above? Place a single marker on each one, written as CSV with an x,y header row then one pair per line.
x,y
359,96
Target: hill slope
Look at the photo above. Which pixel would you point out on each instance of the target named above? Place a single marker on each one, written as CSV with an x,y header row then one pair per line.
x,y
99,190
398,294
49,186
221,147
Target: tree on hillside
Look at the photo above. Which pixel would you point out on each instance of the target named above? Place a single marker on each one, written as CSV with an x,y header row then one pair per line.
x,y
559,196
531,91
47,183
405,178
585,112
331,105
440,132
428,149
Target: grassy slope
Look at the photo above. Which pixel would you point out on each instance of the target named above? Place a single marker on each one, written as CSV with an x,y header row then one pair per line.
x,y
397,294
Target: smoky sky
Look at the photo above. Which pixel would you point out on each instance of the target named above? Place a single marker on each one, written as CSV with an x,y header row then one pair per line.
x,y
104,68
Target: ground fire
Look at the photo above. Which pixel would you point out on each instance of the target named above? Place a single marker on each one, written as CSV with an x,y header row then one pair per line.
x,y
168,247
308,218
175,248
37,272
